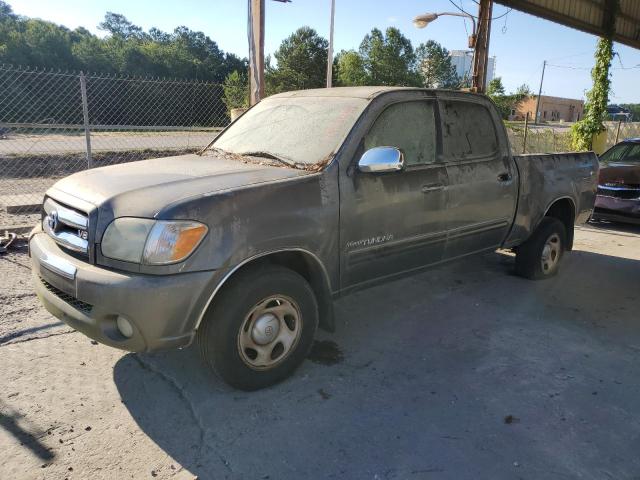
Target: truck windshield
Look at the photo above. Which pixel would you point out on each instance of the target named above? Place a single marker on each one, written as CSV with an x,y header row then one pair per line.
x,y
614,154
299,130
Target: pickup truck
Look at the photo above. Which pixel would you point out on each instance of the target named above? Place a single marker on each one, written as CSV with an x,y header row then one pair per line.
x,y
307,196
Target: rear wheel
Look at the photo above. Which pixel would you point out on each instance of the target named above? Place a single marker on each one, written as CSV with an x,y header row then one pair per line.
x,y
260,328
539,257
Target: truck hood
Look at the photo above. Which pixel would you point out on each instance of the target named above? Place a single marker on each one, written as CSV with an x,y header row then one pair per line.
x,y
145,187
621,173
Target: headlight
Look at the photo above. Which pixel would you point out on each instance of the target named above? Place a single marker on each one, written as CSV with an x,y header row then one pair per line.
x,y
125,238
171,242
151,242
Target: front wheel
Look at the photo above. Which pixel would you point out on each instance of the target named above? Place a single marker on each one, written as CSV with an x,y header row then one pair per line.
x,y
539,257
260,328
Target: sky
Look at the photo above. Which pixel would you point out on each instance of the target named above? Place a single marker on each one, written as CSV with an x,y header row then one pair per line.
x,y
520,42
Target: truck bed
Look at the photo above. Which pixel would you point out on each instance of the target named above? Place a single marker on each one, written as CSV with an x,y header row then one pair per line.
x,y
545,178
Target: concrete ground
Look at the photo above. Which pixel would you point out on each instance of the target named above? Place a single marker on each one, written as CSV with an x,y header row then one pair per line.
x,y
462,372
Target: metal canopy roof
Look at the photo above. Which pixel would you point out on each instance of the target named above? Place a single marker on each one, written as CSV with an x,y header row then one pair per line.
x,y
587,15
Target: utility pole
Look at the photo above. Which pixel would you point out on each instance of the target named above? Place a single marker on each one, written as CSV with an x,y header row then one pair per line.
x,y
256,49
535,120
330,53
481,51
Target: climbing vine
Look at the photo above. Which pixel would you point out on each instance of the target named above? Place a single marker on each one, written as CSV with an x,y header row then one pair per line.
x,y
582,132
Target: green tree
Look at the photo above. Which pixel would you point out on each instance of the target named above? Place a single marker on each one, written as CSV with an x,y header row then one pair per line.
x,y
634,108
236,91
301,62
33,42
126,48
389,58
5,11
505,103
90,53
434,66
350,69
118,26
496,88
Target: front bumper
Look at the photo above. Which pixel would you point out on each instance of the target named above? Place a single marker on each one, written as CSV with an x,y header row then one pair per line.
x,y
163,310
617,209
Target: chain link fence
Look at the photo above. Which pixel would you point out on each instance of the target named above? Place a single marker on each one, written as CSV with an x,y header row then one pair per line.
x,y
554,138
618,131
541,139
53,124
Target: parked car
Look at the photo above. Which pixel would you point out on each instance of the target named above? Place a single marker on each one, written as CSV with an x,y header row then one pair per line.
x,y
307,196
618,196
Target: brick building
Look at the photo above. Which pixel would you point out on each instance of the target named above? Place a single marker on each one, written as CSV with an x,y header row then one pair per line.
x,y
552,109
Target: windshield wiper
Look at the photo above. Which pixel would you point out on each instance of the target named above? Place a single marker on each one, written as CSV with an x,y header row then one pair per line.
x,y
270,156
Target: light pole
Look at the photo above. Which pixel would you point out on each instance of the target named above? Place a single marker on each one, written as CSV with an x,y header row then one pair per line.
x,y
535,119
425,19
330,52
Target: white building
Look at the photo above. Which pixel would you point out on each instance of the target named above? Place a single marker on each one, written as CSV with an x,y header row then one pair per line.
x,y
462,61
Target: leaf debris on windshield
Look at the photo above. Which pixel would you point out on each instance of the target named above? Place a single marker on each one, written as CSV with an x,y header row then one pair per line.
x,y
266,158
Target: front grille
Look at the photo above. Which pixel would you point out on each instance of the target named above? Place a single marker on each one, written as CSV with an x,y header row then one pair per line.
x,y
70,299
622,191
68,227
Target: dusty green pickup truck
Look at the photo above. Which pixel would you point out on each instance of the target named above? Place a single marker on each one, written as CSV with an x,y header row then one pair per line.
x,y
307,196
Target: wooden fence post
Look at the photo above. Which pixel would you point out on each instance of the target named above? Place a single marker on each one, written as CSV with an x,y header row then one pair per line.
x,y
526,131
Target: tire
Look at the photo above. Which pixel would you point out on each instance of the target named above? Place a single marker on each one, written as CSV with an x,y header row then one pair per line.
x,y
235,337
529,256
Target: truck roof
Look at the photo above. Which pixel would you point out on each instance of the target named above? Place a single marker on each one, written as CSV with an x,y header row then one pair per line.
x,y
352,92
360,92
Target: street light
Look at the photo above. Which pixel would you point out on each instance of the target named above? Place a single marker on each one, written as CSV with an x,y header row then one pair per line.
x,y
425,19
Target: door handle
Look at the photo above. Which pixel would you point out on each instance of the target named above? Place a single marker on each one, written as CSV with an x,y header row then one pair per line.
x,y
432,187
505,177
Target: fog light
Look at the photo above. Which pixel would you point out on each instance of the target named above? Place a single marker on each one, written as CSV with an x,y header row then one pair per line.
x,y
124,326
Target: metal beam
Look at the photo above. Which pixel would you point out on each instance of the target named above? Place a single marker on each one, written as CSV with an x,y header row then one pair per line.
x,y
590,16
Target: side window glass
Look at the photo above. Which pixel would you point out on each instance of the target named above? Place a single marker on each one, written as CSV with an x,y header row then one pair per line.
x,y
409,126
467,130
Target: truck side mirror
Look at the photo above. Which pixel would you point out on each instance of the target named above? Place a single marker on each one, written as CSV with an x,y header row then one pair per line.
x,y
381,160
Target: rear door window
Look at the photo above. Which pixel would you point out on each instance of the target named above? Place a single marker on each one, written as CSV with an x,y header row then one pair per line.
x,y
467,130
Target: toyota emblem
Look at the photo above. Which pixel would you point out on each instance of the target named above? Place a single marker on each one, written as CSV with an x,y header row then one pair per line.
x,y
52,220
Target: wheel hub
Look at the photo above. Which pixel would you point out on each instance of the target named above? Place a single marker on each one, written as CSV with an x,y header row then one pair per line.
x,y
270,332
551,254
266,329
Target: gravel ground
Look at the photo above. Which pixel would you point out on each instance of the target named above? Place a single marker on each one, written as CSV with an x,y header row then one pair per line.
x,y
462,372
